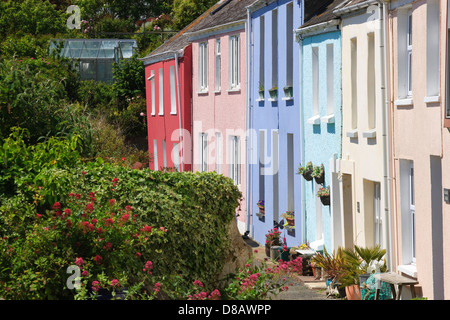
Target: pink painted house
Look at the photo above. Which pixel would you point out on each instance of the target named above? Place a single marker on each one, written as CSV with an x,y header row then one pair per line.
x,y
219,95
420,146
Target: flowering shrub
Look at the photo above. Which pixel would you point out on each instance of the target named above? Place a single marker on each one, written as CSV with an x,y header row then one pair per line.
x,y
255,282
107,243
273,235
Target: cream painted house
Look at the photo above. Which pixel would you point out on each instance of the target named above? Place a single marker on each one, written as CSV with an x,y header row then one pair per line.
x,y
364,165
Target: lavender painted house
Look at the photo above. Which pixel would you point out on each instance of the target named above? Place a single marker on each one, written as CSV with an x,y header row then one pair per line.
x,y
219,95
274,117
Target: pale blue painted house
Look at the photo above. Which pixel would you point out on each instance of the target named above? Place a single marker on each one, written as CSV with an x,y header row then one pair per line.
x,y
275,121
321,106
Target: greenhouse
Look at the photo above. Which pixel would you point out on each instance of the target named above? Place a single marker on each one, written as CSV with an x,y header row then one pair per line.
x,y
94,58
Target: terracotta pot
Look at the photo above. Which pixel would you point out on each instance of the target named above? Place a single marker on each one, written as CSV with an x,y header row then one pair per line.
x,y
290,221
353,292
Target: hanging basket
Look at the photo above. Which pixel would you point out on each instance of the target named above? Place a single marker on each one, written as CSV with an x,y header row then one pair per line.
x,y
325,200
319,179
307,175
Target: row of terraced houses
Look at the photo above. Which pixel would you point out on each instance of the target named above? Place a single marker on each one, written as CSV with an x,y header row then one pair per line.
x,y
256,89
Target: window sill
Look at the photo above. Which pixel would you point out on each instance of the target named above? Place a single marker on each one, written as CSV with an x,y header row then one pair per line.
x,y
352,133
432,99
287,98
234,90
408,269
328,119
202,92
217,91
370,134
272,99
153,114
403,102
160,114
259,100
173,113
314,120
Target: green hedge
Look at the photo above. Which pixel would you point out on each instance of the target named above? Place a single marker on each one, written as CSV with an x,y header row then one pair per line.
x,y
196,208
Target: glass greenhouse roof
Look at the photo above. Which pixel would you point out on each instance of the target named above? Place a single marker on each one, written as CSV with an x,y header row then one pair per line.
x,y
94,58
96,48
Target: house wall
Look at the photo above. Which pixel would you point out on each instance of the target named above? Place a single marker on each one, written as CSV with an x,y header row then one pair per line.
x,y
166,127
417,130
362,162
445,149
221,111
276,119
322,141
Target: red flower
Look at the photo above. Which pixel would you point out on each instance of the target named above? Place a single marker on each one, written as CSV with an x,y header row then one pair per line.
x,y
146,229
98,259
79,262
89,207
57,206
38,215
109,222
125,217
112,202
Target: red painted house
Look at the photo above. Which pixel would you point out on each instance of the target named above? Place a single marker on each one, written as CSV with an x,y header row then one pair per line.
x,y
168,73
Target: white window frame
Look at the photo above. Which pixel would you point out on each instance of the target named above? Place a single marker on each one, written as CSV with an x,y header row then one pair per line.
x,y
161,91
234,159
203,152
218,152
315,79
218,64
152,89
203,66
173,96
409,41
378,232
155,154
235,62
412,212
176,155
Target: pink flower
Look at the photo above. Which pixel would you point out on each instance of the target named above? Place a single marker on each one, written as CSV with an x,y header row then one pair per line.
x,y
198,284
112,202
95,285
79,262
85,273
115,283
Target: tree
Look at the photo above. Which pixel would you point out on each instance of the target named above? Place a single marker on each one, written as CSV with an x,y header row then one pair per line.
x,y
186,11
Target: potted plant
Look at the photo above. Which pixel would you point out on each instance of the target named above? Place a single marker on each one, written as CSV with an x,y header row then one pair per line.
x,y
333,265
290,218
273,92
261,91
306,171
360,264
261,208
288,92
318,174
324,195
272,239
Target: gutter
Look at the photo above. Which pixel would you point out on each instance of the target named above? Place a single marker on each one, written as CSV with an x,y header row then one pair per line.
x,y
248,125
323,27
177,77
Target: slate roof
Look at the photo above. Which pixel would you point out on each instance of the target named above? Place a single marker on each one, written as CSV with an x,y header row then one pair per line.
x,y
326,14
229,11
